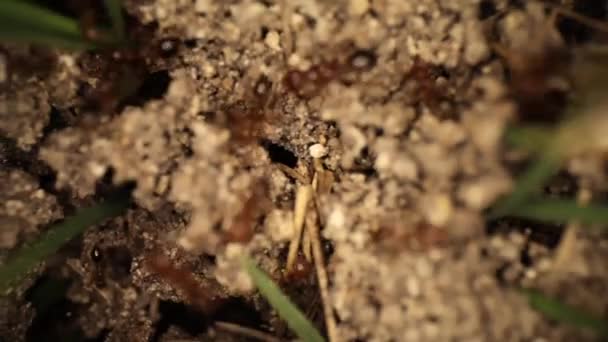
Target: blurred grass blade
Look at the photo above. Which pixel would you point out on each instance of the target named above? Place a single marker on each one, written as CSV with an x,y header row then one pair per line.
x,y
562,210
56,236
37,19
28,36
532,138
527,184
284,307
114,9
556,310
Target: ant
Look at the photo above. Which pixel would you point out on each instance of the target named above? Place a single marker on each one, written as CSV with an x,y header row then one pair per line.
x,y
309,83
427,90
122,67
423,237
242,229
183,279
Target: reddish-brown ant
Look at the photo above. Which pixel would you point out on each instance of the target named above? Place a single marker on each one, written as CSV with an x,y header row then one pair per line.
x,y
301,271
120,67
310,82
242,228
183,280
423,237
245,119
422,77
425,76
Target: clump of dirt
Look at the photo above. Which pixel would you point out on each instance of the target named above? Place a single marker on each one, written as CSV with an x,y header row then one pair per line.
x,y
222,111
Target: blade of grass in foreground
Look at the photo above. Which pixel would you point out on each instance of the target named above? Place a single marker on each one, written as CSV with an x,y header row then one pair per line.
x,y
527,184
285,308
36,18
56,236
532,138
562,210
18,35
558,311
114,10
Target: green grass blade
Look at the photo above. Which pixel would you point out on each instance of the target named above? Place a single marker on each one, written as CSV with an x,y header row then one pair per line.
x,y
23,22
37,19
31,255
532,138
285,308
562,210
558,311
527,184
18,35
114,9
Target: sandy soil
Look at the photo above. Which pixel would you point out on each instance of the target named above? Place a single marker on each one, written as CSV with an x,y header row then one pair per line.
x,y
223,111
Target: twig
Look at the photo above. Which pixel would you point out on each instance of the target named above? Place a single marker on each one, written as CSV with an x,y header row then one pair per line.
x,y
293,174
303,195
244,331
307,238
286,14
313,229
322,183
307,245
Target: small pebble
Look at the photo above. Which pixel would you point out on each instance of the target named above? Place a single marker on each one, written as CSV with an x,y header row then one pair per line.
x,y
317,151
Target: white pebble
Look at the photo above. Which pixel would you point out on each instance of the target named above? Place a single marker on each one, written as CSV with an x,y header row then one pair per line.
x,y
317,151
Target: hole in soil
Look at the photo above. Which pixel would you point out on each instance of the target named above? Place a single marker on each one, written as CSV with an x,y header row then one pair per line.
x,y
237,310
119,262
45,292
55,314
154,86
105,185
56,122
279,154
184,316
